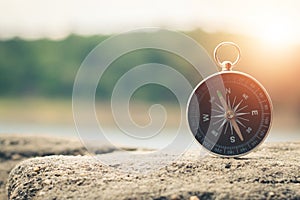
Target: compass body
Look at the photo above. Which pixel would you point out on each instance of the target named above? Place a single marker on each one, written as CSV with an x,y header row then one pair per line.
x,y
229,113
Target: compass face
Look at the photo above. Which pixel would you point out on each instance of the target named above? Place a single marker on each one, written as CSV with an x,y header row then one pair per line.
x,y
232,119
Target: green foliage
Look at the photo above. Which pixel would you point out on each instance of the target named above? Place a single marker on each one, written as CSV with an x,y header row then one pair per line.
x,y
48,68
42,67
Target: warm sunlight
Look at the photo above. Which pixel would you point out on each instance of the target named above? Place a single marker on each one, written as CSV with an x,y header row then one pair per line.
x,y
277,32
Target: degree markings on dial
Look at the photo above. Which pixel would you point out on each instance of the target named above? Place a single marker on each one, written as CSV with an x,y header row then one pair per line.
x,y
258,137
263,101
255,92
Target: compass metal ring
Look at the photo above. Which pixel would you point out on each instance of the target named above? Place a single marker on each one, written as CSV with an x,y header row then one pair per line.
x,y
229,44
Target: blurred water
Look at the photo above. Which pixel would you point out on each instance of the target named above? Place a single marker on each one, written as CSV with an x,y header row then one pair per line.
x,y
275,135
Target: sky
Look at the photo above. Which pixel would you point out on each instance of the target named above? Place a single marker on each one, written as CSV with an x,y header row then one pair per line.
x,y
270,20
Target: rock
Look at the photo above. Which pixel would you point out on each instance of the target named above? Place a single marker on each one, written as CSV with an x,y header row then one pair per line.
x,y
271,172
36,169
194,198
174,197
27,146
16,157
15,148
47,182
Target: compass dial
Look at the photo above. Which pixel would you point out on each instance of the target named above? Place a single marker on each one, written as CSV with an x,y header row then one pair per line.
x,y
233,119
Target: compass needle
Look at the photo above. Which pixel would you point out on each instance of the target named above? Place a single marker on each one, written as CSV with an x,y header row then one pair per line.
x,y
237,129
222,100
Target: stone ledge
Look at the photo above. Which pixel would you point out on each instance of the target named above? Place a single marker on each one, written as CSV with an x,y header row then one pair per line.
x,y
17,147
272,172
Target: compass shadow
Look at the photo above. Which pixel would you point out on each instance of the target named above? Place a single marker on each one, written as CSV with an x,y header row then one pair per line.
x,y
247,158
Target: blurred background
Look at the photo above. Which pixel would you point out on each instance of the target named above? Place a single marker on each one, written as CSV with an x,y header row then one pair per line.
x,y
43,42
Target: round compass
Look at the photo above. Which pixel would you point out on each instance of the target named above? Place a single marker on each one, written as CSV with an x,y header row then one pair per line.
x,y
229,113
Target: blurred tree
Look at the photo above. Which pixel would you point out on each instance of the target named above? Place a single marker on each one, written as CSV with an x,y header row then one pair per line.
x,y
48,68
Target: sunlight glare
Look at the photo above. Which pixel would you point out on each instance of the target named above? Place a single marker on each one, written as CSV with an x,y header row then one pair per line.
x,y
277,32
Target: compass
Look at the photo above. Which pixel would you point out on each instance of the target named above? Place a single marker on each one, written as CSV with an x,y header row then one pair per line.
x,y
229,112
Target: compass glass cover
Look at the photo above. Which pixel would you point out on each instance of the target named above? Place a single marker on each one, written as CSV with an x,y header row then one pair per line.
x,y
231,120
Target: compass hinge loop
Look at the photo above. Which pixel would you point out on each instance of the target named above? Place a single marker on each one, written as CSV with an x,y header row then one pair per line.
x,y
227,66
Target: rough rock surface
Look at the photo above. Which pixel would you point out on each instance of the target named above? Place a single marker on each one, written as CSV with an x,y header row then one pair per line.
x,y
15,148
272,172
